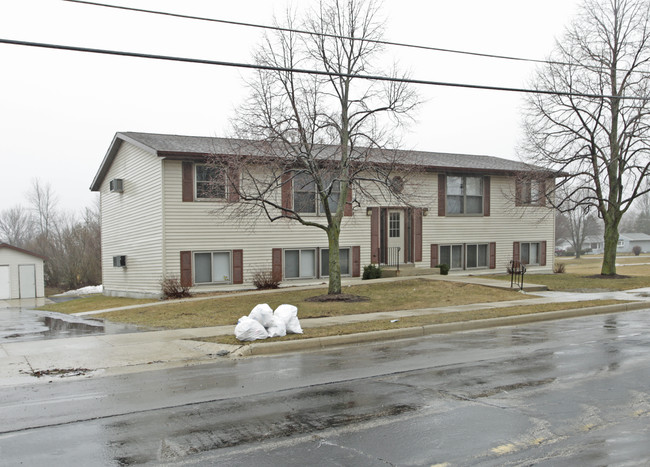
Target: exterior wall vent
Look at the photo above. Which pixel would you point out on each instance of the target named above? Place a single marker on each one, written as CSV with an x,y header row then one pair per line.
x,y
119,261
116,185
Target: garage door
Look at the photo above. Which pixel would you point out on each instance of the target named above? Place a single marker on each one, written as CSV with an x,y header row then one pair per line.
x,y
27,276
5,286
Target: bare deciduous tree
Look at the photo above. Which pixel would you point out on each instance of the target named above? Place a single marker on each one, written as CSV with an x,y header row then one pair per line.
x,y
327,137
15,226
601,143
43,202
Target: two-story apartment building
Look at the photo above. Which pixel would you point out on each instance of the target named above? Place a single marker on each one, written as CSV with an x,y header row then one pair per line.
x,y
473,213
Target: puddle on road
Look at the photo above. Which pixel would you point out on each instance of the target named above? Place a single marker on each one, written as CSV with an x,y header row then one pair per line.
x,y
24,325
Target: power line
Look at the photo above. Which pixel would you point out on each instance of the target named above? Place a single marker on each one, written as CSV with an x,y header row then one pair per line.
x,y
335,36
312,33
307,71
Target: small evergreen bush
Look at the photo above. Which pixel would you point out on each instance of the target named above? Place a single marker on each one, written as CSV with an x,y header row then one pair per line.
x,y
371,272
636,250
444,269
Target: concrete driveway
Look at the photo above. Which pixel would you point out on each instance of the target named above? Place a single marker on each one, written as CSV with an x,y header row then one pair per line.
x,y
21,321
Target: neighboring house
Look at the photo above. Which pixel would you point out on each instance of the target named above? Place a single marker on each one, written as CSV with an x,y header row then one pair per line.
x,y
21,273
158,221
626,243
590,244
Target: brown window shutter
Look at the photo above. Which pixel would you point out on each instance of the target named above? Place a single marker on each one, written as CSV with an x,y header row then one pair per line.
x,y
434,255
493,255
237,266
542,191
374,236
276,264
515,251
486,196
356,261
542,254
417,234
188,182
347,211
186,268
518,192
233,179
287,193
442,194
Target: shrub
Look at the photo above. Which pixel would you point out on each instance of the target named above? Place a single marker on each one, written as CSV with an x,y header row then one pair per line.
x,y
371,272
172,288
444,269
559,268
636,250
263,280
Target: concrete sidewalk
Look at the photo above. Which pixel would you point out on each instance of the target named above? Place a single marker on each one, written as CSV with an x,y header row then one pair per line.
x,y
141,351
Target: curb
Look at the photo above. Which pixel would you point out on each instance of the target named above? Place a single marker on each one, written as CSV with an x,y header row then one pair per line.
x,y
271,348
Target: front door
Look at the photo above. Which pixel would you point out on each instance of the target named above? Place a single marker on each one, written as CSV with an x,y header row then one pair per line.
x,y
395,240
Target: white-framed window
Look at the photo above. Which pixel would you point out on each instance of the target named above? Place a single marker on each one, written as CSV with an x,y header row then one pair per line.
x,y
394,225
210,183
529,252
464,195
212,267
621,243
477,256
451,255
300,263
344,259
305,195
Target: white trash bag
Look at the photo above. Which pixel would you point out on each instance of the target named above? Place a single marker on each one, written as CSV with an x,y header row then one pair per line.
x,y
248,329
263,314
289,314
277,328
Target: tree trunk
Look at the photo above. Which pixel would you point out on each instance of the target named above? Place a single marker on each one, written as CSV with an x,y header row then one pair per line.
x,y
609,254
333,234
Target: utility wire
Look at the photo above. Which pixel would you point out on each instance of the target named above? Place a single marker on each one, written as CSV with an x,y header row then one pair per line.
x,y
312,33
335,36
307,71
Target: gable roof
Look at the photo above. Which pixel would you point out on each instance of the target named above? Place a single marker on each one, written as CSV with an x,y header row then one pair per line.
x,y
193,147
15,248
636,237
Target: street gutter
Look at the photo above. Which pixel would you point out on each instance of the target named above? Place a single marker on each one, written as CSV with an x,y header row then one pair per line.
x,y
270,348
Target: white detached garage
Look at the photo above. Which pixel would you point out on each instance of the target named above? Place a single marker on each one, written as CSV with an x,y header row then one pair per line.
x,y
21,273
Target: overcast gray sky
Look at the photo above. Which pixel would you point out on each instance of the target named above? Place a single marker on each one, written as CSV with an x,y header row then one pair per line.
x,y
61,109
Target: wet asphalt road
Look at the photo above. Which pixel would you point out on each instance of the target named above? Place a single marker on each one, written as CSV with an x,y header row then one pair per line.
x,y
562,393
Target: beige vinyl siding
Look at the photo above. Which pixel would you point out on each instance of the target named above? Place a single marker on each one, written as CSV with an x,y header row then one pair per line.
x,y
505,225
204,226
132,223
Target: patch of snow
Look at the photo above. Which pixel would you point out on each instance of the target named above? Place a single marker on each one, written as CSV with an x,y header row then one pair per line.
x,y
83,291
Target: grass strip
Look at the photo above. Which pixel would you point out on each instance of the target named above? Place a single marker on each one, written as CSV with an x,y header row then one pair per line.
x,y
414,321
